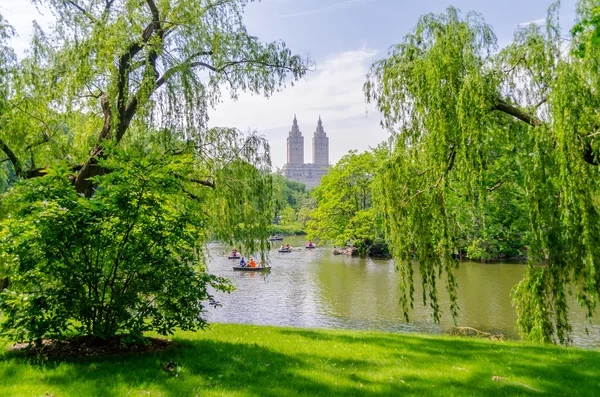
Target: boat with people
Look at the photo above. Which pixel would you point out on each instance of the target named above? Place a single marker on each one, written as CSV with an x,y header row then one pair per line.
x,y
234,254
251,266
251,269
275,238
310,245
285,248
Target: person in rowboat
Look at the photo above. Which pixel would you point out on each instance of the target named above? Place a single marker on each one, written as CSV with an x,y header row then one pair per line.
x,y
252,263
242,262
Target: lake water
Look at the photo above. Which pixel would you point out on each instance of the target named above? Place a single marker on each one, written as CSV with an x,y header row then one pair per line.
x,y
314,288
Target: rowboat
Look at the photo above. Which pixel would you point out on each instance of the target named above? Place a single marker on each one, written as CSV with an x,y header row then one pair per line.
x,y
308,247
251,269
234,257
275,238
284,250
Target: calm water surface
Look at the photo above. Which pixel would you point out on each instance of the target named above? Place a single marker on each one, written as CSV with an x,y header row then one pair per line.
x,y
314,288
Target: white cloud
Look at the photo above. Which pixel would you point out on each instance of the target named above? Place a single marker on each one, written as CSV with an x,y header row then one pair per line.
x,y
332,7
534,22
20,14
333,91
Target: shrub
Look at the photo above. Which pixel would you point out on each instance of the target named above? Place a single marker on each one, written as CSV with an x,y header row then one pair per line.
x,y
127,260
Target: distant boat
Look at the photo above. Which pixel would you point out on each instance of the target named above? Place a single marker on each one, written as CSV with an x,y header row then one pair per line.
x,y
284,250
275,238
308,247
251,269
234,257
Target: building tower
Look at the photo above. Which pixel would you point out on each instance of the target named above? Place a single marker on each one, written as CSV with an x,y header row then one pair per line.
x,y
295,145
320,146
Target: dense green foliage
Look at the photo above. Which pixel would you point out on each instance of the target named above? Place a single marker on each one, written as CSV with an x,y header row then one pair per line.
x,y
109,110
292,204
488,226
246,360
127,260
345,215
452,101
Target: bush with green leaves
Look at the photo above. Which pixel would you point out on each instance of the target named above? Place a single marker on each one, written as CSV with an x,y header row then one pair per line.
x,y
127,260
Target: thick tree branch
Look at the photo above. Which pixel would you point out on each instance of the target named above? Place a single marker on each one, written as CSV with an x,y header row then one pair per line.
x,y
518,113
154,10
588,152
13,158
82,182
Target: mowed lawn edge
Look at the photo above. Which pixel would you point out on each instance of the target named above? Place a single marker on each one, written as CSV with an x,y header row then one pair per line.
x,y
249,360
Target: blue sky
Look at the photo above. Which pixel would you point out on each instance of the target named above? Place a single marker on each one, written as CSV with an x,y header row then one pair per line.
x,y
343,37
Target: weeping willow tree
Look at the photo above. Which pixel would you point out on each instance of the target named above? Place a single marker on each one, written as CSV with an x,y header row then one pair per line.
x,y
459,108
140,75
121,182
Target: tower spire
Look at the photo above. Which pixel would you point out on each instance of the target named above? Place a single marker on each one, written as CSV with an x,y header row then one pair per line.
x,y
295,144
320,145
295,131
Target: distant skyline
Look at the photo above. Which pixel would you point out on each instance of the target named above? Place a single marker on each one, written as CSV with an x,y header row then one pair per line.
x,y
344,37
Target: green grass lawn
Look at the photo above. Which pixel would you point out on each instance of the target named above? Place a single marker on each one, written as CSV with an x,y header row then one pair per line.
x,y
246,360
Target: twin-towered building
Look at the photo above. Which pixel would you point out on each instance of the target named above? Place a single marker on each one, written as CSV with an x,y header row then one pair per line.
x,y
296,169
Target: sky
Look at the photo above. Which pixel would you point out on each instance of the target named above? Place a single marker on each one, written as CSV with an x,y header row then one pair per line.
x,y
343,37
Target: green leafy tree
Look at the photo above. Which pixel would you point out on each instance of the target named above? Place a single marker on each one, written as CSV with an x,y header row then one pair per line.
x,y
450,98
7,64
127,261
119,66
344,213
291,204
109,111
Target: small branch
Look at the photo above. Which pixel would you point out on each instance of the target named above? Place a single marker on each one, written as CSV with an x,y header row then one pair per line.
x,y
45,139
204,182
83,11
522,59
540,103
495,186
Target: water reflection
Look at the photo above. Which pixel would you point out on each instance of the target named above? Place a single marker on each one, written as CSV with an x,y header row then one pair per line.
x,y
313,288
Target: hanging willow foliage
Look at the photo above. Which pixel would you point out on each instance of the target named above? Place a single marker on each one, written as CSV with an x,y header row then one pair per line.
x,y
459,109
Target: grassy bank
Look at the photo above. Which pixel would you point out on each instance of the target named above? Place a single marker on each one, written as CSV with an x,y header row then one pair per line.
x,y
245,360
